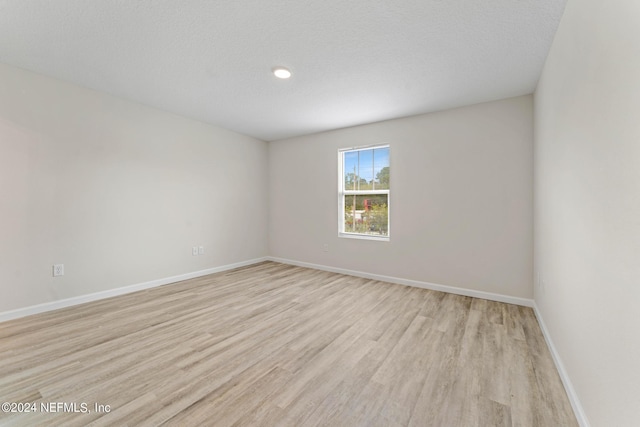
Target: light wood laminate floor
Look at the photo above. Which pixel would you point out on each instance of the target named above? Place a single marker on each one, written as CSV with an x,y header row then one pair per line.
x,y
277,345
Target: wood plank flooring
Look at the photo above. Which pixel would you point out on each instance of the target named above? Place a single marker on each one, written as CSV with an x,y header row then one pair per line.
x,y
278,345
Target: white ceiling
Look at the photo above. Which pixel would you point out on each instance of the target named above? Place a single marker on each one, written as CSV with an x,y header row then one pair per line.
x,y
353,61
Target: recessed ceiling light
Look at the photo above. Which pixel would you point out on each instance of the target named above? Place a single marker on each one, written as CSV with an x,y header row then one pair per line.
x,y
281,72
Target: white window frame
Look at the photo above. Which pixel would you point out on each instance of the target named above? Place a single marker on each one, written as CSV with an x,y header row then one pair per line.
x,y
342,192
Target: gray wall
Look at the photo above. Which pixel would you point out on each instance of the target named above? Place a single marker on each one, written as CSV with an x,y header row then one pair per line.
x,y
117,192
587,205
461,198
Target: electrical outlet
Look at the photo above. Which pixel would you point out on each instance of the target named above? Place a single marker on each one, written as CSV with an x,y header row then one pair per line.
x,y
325,247
194,251
58,270
200,250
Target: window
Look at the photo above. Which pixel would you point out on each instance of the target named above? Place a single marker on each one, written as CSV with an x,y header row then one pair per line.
x,y
363,191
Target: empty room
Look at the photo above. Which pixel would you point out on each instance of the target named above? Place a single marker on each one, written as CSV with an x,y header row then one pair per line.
x,y
337,213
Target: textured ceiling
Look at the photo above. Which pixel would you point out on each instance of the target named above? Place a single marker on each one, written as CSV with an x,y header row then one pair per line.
x,y
353,61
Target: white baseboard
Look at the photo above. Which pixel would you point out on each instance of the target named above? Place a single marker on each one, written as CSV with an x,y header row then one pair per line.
x,y
414,283
68,302
581,416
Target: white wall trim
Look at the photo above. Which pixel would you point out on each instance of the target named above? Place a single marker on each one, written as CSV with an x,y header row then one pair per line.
x,y
581,416
414,283
81,299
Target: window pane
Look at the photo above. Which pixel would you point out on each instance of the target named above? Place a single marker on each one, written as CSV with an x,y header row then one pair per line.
x,y
350,170
366,214
365,168
381,168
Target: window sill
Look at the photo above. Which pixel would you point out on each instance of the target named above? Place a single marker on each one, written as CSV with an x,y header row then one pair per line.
x,y
363,237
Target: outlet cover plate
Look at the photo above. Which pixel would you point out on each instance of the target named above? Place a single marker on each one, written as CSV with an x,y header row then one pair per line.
x,y
58,270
